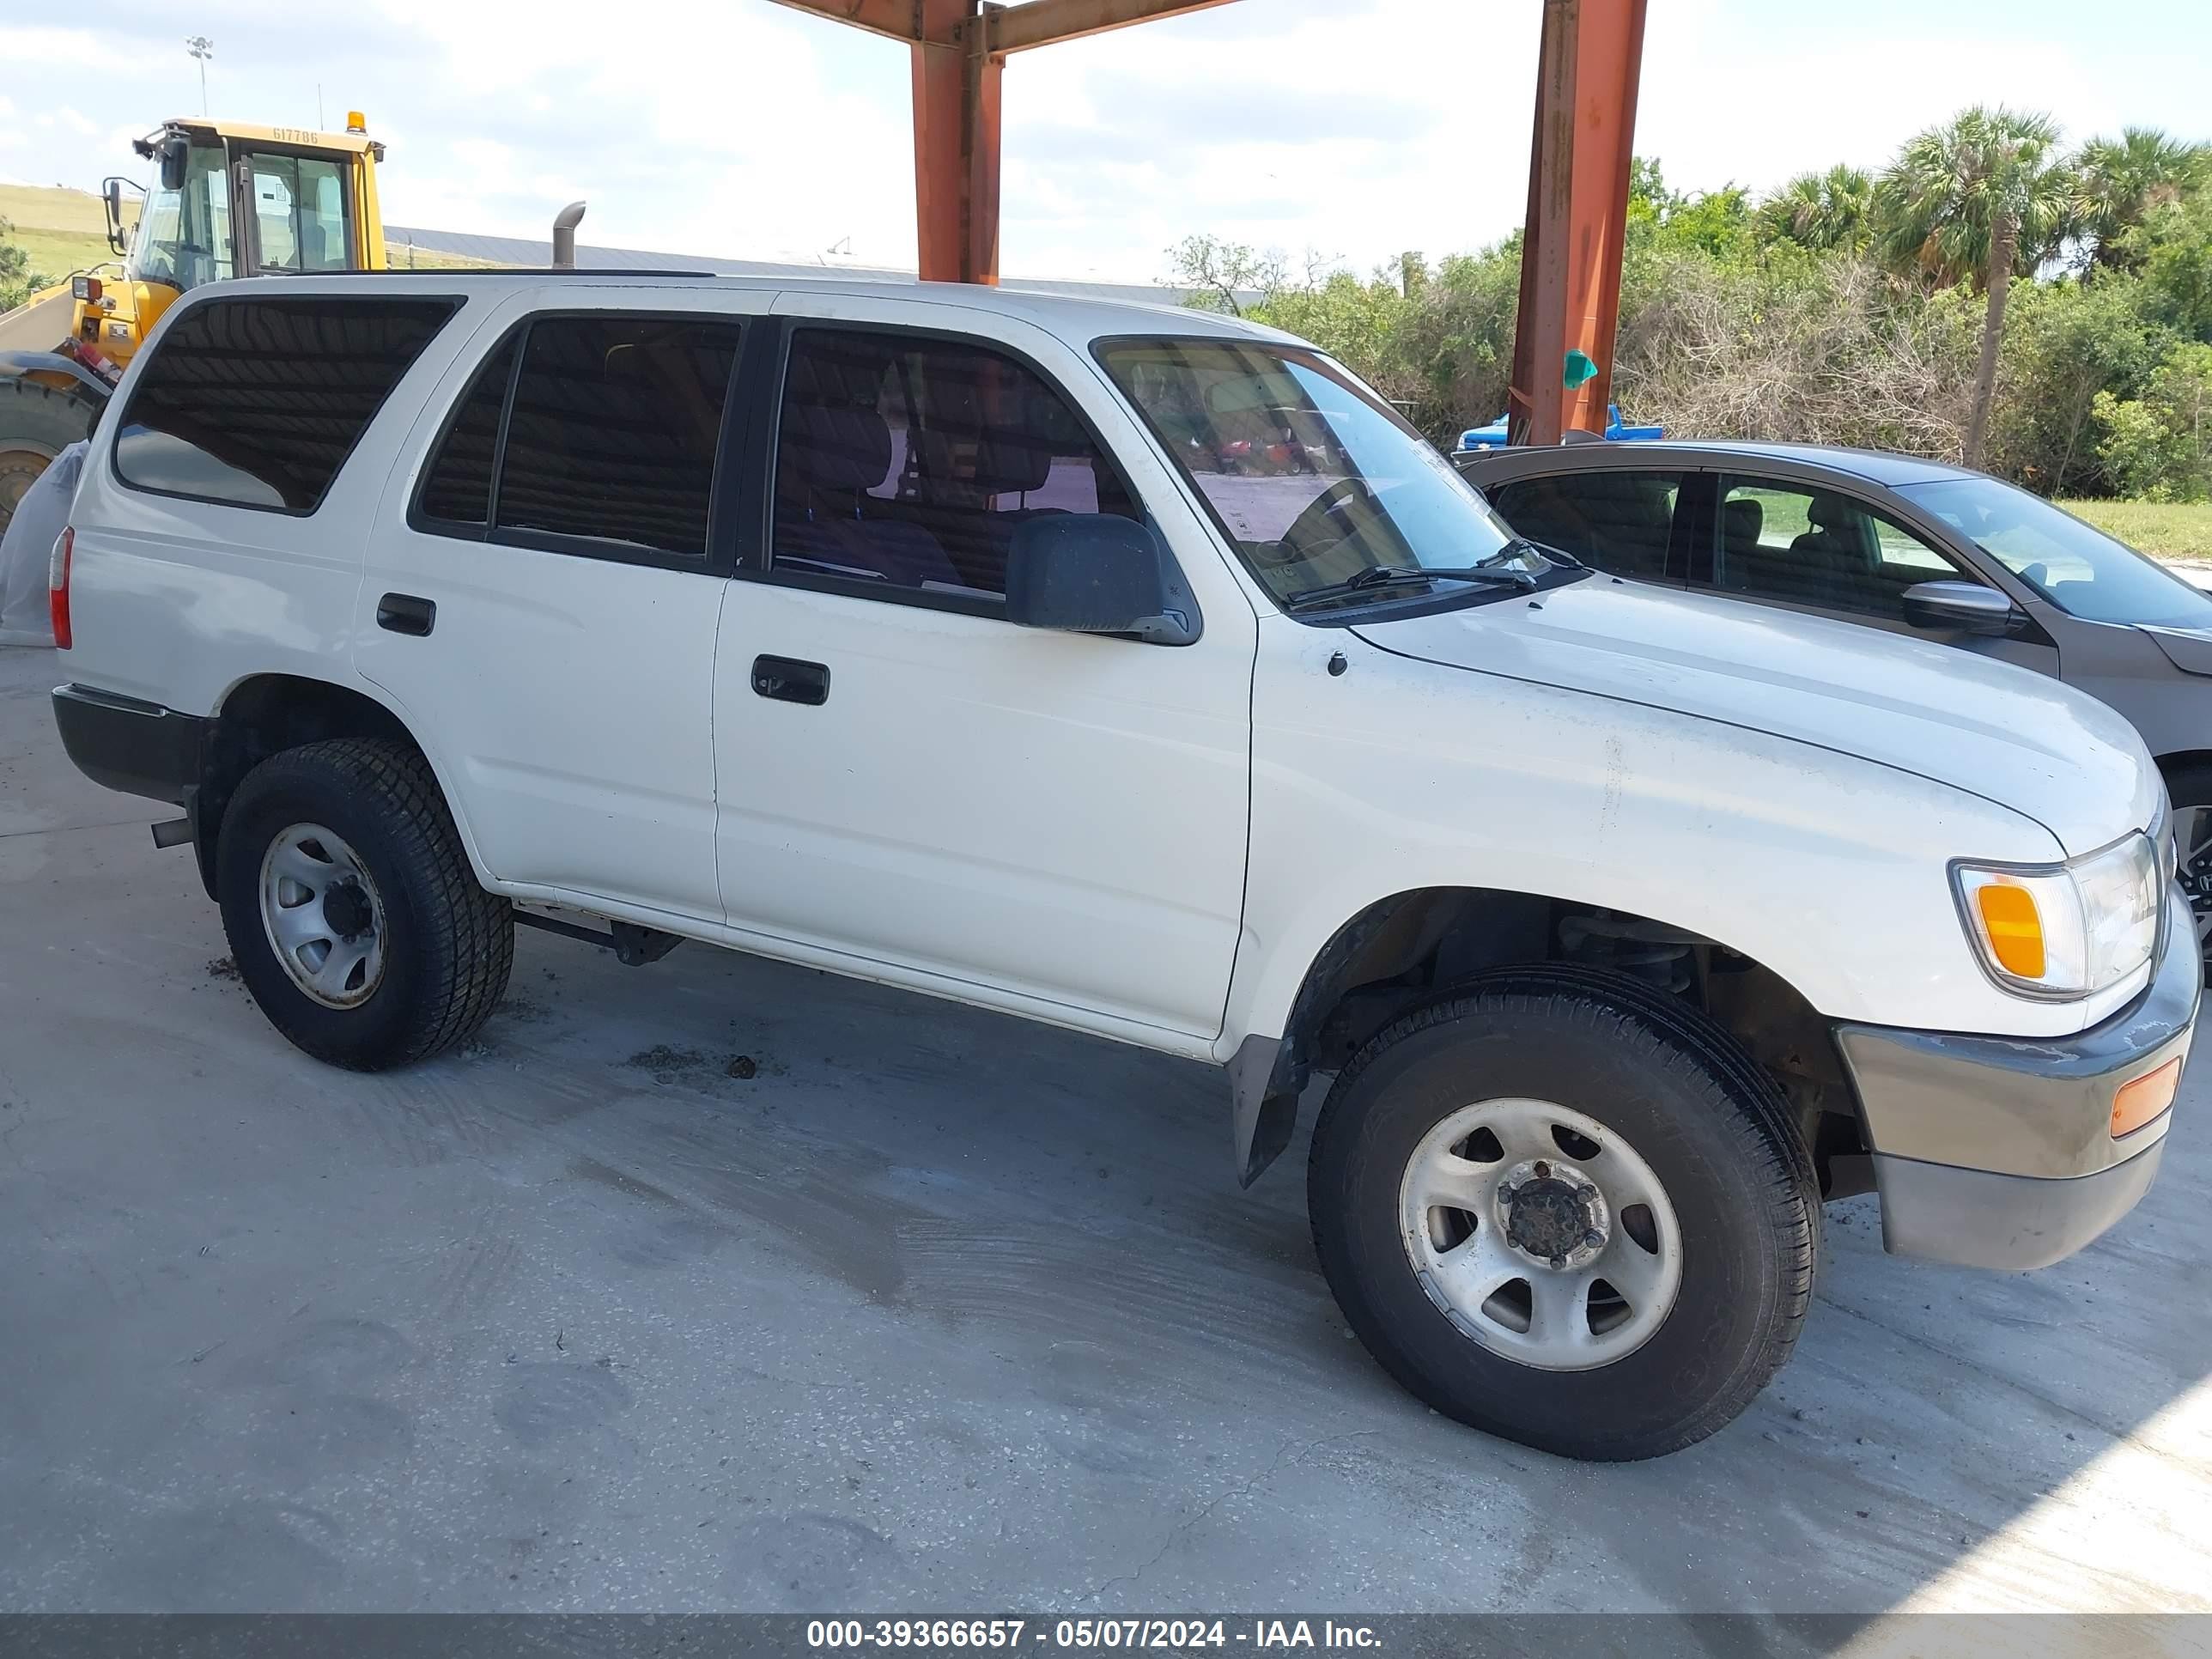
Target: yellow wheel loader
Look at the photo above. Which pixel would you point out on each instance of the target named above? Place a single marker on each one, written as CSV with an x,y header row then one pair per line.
x,y
227,200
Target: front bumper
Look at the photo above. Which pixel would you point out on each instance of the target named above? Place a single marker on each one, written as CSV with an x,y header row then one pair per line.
x,y
1998,1151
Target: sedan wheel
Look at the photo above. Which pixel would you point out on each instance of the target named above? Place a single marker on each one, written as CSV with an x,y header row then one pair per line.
x,y
2191,787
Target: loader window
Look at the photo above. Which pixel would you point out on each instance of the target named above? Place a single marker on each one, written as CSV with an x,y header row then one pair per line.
x,y
182,237
257,403
300,213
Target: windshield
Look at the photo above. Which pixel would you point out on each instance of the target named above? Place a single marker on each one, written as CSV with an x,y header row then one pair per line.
x,y
182,237
1312,476
2081,570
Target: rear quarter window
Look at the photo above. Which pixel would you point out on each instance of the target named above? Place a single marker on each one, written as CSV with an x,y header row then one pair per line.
x,y
257,403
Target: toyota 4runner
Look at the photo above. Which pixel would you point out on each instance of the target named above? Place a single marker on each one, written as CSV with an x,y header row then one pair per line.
x,y
1001,647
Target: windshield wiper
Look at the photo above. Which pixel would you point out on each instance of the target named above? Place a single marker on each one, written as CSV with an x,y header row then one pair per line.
x,y
1557,554
1395,575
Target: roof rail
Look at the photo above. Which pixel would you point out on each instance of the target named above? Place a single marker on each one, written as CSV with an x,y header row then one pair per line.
x,y
443,271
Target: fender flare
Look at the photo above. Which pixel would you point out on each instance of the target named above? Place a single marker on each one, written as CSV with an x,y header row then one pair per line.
x,y
14,364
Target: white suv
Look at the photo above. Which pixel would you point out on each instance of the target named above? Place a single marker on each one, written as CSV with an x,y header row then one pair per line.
x,y
1142,673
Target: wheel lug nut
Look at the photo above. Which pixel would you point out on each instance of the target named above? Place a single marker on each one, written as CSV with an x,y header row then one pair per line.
x,y
1586,1191
1592,1238
1558,1261
1543,1170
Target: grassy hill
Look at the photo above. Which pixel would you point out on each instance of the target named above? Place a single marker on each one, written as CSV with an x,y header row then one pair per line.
x,y
2165,529
66,230
61,230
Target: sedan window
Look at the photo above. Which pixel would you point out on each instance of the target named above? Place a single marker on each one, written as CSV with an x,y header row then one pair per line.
x,y
2081,570
1820,547
1621,522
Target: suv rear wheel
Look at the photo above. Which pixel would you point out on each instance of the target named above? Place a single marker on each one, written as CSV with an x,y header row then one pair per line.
x,y
1567,1210
351,910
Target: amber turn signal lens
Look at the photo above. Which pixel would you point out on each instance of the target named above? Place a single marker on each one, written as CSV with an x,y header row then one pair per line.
x,y
2139,1101
2014,930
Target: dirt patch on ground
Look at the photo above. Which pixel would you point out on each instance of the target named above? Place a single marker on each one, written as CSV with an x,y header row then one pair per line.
x,y
668,1064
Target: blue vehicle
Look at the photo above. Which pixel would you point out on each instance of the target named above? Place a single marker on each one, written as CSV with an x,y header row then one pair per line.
x,y
1616,431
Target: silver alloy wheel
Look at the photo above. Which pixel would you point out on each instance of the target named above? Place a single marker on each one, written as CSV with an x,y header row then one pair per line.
x,y
323,915
2192,839
1541,1234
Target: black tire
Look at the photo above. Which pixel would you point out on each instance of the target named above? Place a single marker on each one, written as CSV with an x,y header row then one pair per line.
x,y
448,944
2188,784
1679,1090
36,424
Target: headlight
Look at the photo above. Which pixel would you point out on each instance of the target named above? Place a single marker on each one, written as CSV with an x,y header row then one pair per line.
x,y
2065,930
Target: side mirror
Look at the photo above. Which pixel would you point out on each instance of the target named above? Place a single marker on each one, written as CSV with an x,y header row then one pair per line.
x,y
1967,607
1092,573
174,151
112,194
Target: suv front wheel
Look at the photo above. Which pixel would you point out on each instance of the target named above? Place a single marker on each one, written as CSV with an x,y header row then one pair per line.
x,y
353,914
1567,1210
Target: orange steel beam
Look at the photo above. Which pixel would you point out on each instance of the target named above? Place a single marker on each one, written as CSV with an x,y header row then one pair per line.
x,y
960,49
1048,22
900,19
1588,70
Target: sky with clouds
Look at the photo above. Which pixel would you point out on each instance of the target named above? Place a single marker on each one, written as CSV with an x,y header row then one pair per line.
x,y
1347,129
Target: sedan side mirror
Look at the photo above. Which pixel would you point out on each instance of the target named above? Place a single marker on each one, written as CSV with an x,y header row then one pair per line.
x,y
1094,573
1967,607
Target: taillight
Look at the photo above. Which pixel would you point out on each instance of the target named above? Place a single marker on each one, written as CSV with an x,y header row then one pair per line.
x,y
58,584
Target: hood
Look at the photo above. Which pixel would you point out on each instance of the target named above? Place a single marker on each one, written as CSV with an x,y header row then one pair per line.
x,y
2005,733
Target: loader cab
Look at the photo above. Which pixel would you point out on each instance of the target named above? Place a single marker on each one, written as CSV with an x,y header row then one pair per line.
x,y
229,200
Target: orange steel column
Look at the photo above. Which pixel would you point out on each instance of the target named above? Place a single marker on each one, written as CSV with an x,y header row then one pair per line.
x,y
960,49
1588,70
955,144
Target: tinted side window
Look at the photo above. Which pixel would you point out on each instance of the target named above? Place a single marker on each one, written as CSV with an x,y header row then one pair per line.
x,y
457,486
910,462
1620,522
257,403
1816,547
616,420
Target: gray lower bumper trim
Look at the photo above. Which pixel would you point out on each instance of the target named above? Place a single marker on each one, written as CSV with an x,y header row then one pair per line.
x,y
1977,1219
2024,1106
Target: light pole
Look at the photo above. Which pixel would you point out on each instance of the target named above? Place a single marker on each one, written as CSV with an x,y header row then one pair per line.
x,y
202,49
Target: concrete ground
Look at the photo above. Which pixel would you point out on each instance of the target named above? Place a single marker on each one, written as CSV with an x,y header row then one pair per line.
x,y
935,1309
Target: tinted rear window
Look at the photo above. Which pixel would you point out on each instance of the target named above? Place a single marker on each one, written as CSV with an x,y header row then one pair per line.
x,y
257,403
458,486
615,425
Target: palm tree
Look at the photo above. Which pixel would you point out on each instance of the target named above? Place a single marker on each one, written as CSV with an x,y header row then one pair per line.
x,y
1818,211
2125,179
1981,198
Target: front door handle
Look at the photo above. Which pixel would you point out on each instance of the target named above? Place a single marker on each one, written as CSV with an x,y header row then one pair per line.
x,y
788,680
404,613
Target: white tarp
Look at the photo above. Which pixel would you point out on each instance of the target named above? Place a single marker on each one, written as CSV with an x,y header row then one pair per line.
x,y
27,550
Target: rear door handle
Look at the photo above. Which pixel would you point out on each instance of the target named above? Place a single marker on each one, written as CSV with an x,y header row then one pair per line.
x,y
403,613
788,680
